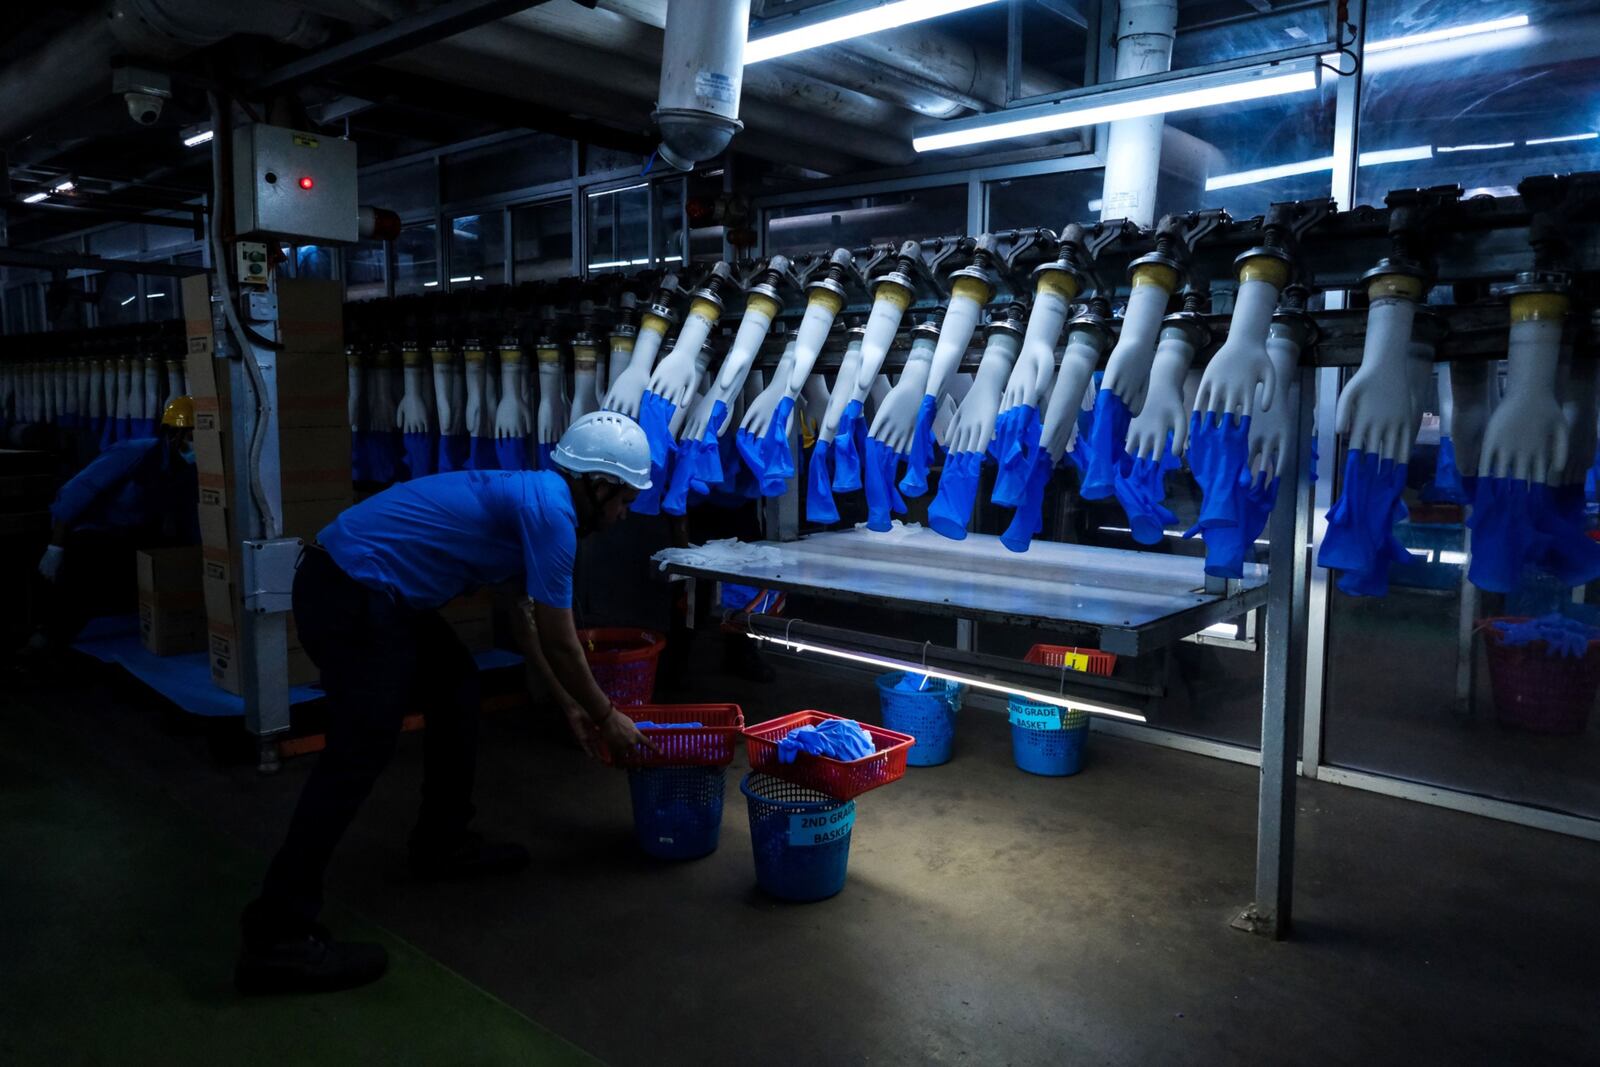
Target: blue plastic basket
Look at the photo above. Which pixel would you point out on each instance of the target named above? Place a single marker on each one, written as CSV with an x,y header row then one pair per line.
x,y
801,838
677,811
928,714
1053,752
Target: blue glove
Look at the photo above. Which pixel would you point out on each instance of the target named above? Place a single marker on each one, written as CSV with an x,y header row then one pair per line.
x,y
1312,459
655,419
1106,445
453,451
768,457
1219,452
882,497
480,455
1016,438
840,739
383,455
749,599
670,725
698,467
1591,489
141,427
923,450
1360,541
1227,546
1504,539
1029,516
951,509
819,486
1566,552
511,453
1447,487
1564,637
360,454
849,442
419,454
1141,486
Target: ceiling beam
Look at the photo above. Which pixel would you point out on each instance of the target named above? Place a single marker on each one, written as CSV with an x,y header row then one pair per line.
x,y
52,261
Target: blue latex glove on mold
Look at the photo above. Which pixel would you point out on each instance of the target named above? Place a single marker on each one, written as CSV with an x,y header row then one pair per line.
x,y
1448,485
420,454
1219,452
1028,519
849,444
511,453
951,509
1141,486
819,486
454,449
924,449
882,496
840,739
1016,438
1104,447
768,457
1360,542
480,455
1227,546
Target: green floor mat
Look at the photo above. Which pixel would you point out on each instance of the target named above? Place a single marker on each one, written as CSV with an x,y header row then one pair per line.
x,y
118,914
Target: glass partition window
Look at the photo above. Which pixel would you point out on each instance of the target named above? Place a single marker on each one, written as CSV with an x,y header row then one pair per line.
x,y
541,241
118,297
364,276
1051,200
857,221
1510,93
619,228
669,220
416,258
477,250
538,159
314,261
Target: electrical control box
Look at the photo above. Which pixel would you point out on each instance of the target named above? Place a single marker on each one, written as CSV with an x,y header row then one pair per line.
x,y
292,184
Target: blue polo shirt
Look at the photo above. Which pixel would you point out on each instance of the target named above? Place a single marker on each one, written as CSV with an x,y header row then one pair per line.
x,y
429,540
136,487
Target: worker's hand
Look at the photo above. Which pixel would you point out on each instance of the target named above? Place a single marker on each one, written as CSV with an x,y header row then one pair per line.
x,y
621,736
50,562
582,727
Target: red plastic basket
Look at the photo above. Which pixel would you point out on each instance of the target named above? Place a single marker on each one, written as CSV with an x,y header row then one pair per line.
x,y
712,744
1088,660
1537,692
623,662
840,779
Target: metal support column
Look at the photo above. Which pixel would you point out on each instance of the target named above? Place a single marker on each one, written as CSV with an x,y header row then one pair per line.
x,y
1271,913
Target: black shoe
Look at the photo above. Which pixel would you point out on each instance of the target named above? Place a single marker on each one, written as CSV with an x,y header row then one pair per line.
x,y
742,659
312,962
469,856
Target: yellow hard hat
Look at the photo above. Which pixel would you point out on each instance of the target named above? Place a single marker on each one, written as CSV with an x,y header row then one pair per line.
x,y
179,414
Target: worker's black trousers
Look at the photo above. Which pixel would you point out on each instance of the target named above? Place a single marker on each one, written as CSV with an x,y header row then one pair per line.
x,y
380,661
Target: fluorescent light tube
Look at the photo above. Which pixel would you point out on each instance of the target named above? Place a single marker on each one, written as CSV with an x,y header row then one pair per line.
x,y
1562,138
632,262
1396,155
154,296
1267,174
66,185
1109,105
1469,29
884,16
128,301
1474,147
198,139
1053,699
34,198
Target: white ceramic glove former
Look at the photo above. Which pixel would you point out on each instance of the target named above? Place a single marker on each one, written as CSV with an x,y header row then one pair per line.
x,y
824,298
1527,438
760,411
676,376
1087,339
444,398
124,390
895,422
554,405
1240,380
843,386
761,307
96,406
479,413
1269,426
625,395
973,426
412,414
1164,411
512,417
1375,409
585,376
1128,368
152,389
1053,292
1464,410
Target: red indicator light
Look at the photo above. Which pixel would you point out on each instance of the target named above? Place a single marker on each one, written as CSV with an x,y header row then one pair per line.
x,y
306,183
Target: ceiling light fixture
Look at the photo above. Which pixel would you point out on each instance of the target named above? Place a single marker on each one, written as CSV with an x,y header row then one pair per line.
x,y
1470,29
195,140
1475,147
1092,107
1563,138
859,23
34,198
65,185
1057,700
1311,166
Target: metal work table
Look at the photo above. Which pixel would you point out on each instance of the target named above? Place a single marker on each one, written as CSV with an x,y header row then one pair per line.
x,y
1139,601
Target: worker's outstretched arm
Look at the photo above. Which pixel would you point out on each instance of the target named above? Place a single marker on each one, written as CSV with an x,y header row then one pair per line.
x,y
527,634
557,639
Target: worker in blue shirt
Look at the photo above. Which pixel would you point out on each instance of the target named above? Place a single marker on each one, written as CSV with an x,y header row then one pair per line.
x,y
139,493
365,598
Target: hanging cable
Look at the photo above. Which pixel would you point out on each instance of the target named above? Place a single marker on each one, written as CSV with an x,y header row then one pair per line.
x,y
270,524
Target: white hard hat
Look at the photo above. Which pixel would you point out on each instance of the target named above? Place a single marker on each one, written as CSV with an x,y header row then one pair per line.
x,y
604,442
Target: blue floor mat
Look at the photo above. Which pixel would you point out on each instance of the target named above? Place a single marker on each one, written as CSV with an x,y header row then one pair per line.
x,y
186,680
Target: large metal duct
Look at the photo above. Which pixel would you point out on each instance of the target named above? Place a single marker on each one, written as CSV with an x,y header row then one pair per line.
x,y
702,74
74,67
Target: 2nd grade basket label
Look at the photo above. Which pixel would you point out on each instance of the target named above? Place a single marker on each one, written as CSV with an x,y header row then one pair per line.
x,y
1043,719
821,828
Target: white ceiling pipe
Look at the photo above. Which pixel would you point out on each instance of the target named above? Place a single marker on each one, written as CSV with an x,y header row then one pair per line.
x,y
1145,32
702,76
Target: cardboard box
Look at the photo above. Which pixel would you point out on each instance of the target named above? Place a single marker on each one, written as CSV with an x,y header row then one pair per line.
x,y
313,464
227,673
311,315
171,624
169,570
195,291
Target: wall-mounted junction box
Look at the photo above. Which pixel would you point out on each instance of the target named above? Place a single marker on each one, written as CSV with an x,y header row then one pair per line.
x,y
293,184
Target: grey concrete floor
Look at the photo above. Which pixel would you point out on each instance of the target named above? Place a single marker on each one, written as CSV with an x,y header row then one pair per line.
x,y
989,916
